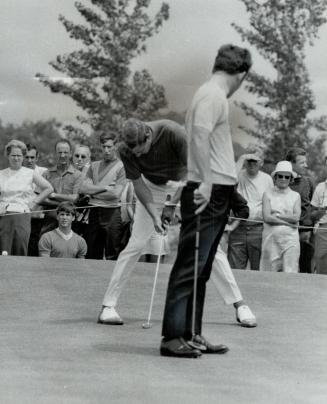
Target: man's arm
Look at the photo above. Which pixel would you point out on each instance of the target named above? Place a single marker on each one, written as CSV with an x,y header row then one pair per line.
x,y
108,191
82,249
44,185
144,195
44,246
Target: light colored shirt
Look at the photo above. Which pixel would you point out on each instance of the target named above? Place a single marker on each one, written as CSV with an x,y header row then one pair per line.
x,y
209,110
53,244
319,199
67,183
114,175
252,189
16,189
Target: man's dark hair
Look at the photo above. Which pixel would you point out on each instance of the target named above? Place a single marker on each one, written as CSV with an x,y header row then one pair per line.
x,y
68,207
293,153
134,133
232,60
105,136
63,141
30,146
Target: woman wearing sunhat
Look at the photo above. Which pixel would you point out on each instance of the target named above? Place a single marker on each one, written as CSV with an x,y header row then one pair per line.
x,y
281,213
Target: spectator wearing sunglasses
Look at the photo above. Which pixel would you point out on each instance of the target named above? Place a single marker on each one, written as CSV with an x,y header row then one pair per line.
x,y
281,215
82,158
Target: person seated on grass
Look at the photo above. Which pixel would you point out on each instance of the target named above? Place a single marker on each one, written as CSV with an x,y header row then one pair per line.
x,y
63,242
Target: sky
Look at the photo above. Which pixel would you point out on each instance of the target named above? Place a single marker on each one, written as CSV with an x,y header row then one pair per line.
x,y
180,57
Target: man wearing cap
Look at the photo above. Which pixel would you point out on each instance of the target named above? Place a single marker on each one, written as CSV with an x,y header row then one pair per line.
x,y
154,157
246,238
211,181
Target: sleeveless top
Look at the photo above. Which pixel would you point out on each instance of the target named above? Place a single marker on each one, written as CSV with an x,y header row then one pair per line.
x,y
16,189
114,175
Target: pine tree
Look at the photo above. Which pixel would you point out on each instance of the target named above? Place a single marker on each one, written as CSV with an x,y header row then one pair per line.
x,y
98,76
280,30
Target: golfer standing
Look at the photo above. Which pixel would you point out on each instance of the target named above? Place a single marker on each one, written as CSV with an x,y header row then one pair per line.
x,y
211,180
154,157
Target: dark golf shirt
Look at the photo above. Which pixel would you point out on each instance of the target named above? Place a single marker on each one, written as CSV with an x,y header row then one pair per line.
x,y
166,159
305,187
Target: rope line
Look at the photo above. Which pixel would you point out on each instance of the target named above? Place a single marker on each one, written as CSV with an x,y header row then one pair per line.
x,y
115,205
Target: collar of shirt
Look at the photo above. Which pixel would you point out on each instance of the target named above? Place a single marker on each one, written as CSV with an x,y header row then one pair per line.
x,y
63,235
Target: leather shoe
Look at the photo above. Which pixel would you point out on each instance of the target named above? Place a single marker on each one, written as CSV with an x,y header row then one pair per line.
x,y
245,317
178,348
109,315
200,343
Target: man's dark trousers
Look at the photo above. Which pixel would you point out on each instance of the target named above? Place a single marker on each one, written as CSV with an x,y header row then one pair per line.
x,y
177,320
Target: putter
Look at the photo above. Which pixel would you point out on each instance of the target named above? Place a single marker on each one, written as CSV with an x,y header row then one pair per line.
x,y
148,325
195,284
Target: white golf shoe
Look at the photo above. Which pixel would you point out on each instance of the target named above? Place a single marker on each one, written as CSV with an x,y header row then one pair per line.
x,y
109,315
245,316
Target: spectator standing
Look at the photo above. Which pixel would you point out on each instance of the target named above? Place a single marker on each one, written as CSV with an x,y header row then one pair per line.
x,y
245,240
82,161
17,199
82,158
319,215
303,184
66,181
281,215
63,242
30,161
107,180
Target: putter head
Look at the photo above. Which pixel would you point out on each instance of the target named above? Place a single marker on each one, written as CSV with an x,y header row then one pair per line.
x,y
146,325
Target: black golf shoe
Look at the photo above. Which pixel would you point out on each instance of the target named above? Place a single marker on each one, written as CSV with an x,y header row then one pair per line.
x,y
178,348
200,343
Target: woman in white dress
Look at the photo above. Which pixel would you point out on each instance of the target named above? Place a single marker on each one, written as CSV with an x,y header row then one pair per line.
x,y
281,214
17,199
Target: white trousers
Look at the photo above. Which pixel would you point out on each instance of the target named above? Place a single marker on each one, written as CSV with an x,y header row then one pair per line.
x,y
142,230
141,233
223,278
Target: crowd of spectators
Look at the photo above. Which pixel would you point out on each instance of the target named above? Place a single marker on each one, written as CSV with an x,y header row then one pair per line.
x,y
83,208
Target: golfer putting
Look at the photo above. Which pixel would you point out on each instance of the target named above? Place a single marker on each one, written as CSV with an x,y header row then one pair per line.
x,y
207,195
154,155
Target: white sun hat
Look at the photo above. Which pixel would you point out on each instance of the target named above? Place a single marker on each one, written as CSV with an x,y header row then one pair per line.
x,y
284,166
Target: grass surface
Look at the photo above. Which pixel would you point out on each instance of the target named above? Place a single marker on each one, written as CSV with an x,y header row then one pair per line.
x,y
53,351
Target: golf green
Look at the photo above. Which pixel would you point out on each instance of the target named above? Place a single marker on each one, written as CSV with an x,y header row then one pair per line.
x,y
53,351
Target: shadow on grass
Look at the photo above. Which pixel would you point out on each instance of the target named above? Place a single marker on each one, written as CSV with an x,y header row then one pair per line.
x,y
127,349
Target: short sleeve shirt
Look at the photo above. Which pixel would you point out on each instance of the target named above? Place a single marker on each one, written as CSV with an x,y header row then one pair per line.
x,y
319,199
209,112
166,159
67,183
52,244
